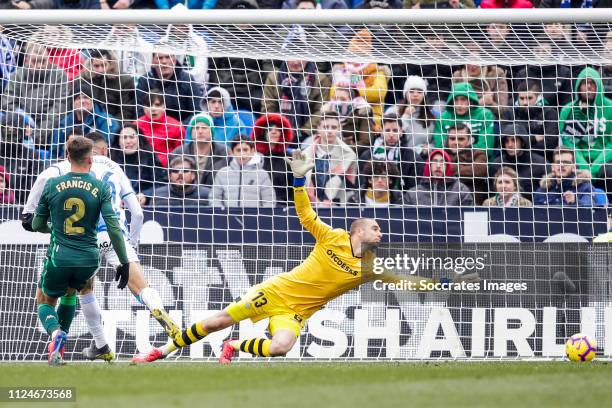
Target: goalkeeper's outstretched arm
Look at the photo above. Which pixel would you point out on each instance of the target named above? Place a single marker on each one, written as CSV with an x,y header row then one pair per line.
x,y
300,166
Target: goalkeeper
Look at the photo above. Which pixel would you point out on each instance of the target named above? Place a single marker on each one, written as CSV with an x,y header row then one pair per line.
x,y
333,268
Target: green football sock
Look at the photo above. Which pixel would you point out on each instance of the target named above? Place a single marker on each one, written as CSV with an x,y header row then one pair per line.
x,y
66,311
48,318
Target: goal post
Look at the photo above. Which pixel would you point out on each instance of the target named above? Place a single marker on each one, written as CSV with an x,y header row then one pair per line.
x,y
443,125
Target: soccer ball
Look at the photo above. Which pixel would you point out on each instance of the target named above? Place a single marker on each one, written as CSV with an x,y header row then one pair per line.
x,y
580,347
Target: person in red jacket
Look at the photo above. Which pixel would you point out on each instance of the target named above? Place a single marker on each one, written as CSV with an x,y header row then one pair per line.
x,y
163,132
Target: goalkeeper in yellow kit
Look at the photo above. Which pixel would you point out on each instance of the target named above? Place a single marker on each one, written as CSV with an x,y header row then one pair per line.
x,y
333,268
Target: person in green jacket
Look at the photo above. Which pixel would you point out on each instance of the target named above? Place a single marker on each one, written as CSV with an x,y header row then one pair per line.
x,y
585,123
463,106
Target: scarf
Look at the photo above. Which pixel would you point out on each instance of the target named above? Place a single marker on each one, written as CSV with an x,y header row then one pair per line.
x,y
386,153
514,201
294,90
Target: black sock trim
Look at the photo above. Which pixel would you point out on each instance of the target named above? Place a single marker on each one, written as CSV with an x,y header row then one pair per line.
x,y
194,331
260,347
252,346
243,346
186,338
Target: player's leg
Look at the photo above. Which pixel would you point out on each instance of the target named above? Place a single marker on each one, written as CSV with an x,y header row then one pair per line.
x,y
99,348
285,330
53,284
190,335
67,309
138,284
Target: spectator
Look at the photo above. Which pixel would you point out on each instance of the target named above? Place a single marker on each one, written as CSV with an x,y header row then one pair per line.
x,y
183,189
273,137
438,187
355,116
565,185
164,133
506,4
417,117
574,4
517,154
136,157
59,4
554,79
335,164
463,106
370,79
380,181
312,4
541,120
297,91
183,36
469,165
426,4
8,56
586,125
243,78
181,92
85,116
226,121
244,183
392,146
112,89
6,195
20,163
136,57
508,192
39,90
489,82
210,156
606,69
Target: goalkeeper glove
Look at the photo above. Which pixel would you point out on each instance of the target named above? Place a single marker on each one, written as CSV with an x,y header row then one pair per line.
x,y
300,164
122,275
26,221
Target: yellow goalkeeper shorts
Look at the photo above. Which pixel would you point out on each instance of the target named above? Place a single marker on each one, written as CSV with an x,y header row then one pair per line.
x,y
258,303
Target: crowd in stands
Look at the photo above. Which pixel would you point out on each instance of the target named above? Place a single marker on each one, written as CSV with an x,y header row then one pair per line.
x,y
191,131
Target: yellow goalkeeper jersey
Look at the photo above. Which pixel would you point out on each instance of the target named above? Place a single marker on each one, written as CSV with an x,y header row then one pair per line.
x,y
330,270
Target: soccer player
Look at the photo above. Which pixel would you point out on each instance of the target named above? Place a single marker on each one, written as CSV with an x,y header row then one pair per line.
x,y
110,173
74,203
333,268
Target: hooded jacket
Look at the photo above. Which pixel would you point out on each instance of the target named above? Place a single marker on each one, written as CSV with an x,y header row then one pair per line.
x,y
529,165
469,165
446,192
228,125
98,121
554,80
41,94
243,186
540,120
164,135
273,155
480,120
182,94
588,129
551,190
492,79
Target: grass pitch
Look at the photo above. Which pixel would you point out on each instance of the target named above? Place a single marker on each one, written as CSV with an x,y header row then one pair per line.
x,y
322,385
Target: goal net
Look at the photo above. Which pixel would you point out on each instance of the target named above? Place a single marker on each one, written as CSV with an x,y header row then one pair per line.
x,y
479,142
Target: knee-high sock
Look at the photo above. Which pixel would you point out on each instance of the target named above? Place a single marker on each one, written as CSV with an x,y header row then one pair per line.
x,y
189,336
150,298
48,318
93,316
257,347
66,311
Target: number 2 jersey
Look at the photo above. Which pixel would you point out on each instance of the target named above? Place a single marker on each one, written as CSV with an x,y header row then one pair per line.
x,y
105,170
74,203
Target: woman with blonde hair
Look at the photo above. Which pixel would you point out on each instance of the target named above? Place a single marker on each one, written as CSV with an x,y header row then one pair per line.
x,y
508,191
